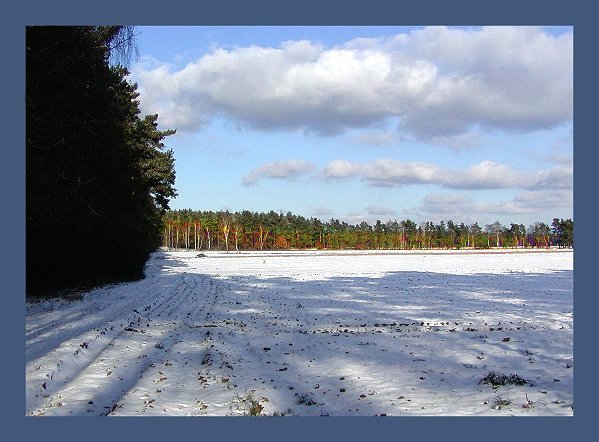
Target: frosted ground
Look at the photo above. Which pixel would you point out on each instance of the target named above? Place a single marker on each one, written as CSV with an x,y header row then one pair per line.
x,y
311,334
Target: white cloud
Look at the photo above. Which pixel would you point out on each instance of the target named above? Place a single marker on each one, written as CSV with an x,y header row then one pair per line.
x,y
290,169
341,169
463,207
439,82
355,218
437,204
390,173
465,141
380,210
501,77
383,172
501,209
556,178
323,211
544,200
484,175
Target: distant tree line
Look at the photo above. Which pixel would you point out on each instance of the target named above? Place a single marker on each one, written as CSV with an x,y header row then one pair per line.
x,y
246,230
98,179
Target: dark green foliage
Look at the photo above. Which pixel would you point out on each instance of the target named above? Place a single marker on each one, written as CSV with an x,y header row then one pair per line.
x,y
98,180
563,229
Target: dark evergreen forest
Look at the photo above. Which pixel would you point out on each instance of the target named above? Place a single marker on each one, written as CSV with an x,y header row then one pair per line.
x,y
98,177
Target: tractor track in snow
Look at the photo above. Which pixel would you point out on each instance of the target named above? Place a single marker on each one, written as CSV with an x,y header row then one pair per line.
x,y
97,354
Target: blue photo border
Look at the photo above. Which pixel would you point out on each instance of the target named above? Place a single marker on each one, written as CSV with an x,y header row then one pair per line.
x,y
306,12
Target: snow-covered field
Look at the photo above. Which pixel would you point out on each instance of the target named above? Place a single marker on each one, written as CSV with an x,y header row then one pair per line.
x,y
311,333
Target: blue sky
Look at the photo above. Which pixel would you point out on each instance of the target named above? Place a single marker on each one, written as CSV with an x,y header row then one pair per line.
x,y
365,123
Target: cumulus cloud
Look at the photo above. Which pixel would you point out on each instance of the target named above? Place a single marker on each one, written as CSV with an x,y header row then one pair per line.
x,y
435,203
341,169
323,211
355,218
484,175
380,210
502,208
463,209
544,200
439,82
290,169
556,178
383,172
458,206
465,141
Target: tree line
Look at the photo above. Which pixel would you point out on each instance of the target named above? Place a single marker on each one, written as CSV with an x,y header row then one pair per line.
x,y
98,177
247,230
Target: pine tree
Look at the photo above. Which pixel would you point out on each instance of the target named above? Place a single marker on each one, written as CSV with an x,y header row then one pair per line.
x,y
97,177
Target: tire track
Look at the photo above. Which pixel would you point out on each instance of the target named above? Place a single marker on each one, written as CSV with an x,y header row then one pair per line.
x,y
100,357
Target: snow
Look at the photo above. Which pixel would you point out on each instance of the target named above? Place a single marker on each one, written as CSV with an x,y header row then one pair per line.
x,y
312,333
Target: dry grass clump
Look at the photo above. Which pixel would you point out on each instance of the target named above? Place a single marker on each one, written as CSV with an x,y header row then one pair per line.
x,y
499,379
